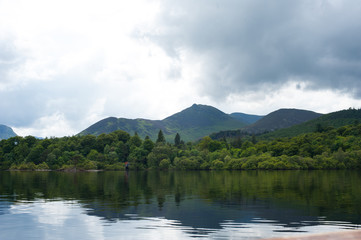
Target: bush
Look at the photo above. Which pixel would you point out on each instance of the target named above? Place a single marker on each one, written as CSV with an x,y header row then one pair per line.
x,y
184,163
116,166
88,165
217,164
235,164
164,164
42,166
205,166
24,166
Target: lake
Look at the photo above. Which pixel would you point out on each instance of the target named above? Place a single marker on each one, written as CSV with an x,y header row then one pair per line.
x,y
177,205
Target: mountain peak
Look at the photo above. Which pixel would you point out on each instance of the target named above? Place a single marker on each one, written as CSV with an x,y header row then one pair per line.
x,y
191,123
198,114
195,105
6,132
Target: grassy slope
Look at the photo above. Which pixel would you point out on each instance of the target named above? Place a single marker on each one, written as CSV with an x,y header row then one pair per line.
x,y
334,120
282,118
192,123
247,118
200,120
276,120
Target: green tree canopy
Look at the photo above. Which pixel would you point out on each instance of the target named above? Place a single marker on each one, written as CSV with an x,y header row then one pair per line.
x,y
160,138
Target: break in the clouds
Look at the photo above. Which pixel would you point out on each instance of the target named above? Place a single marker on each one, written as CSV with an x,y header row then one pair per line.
x,y
67,64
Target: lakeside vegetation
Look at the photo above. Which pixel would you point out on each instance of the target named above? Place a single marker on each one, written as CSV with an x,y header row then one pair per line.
x,y
323,149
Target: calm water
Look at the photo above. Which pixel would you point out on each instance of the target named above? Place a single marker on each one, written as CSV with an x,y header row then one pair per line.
x,y
177,205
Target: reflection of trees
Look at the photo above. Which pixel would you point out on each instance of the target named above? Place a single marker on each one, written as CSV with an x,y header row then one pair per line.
x,y
318,192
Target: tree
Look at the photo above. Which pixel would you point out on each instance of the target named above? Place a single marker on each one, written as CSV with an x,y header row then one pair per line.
x,y
160,138
204,143
319,128
148,145
87,143
177,140
135,141
35,154
121,135
254,140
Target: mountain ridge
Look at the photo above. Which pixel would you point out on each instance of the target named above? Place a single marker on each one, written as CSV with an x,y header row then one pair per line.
x,y
330,120
6,132
247,118
281,118
191,123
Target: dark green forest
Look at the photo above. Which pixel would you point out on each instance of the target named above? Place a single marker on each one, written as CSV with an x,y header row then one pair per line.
x,y
338,148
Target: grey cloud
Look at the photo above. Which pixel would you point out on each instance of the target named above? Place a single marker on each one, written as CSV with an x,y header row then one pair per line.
x,y
9,60
246,45
71,94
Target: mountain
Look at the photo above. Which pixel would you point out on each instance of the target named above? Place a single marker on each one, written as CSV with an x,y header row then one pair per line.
x,y
331,120
142,127
281,118
247,118
192,123
6,132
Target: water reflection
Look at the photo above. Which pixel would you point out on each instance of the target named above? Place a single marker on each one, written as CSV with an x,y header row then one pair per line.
x,y
179,205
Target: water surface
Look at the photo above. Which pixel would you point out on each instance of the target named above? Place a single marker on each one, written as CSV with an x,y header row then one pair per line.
x,y
177,205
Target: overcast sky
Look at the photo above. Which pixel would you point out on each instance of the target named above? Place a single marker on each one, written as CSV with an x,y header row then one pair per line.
x,y
66,64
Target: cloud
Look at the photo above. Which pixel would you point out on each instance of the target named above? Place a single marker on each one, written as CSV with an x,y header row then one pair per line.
x,y
66,65
9,61
256,45
290,95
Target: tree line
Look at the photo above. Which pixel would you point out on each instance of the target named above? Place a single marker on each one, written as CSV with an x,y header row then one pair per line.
x,y
329,149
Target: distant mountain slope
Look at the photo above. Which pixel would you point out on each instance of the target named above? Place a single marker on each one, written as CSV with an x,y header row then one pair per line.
x,y
6,132
200,120
192,123
142,127
281,118
247,118
333,120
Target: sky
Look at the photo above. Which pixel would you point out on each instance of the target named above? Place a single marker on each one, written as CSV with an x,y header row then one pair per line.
x,y
66,64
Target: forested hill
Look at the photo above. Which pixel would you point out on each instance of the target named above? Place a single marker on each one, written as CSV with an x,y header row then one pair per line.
x,y
192,124
6,132
142,127
279,119
321,124
247,118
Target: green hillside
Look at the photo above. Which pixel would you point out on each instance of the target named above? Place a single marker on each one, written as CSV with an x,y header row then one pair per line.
x,y
192,123
327,121
279,119
247,118
142,127
6,132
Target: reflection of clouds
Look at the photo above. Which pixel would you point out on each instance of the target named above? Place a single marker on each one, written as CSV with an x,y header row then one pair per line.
x,y
263,228
54,220
68,220
147,228
53,213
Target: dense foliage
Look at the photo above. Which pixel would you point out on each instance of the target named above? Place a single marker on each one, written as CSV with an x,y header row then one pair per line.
x,y
328,149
